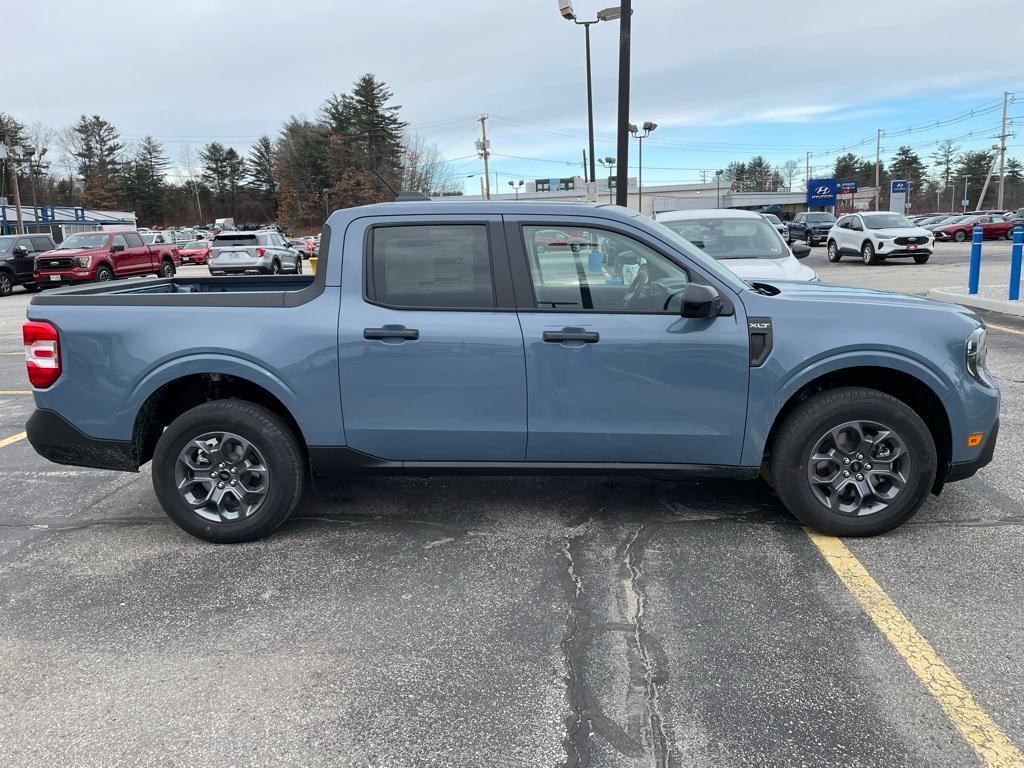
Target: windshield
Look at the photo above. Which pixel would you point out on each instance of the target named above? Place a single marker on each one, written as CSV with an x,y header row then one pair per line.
x,y
6,243
84,240
820,218
886,221
195,245
726,238
224,240
953,219
772,218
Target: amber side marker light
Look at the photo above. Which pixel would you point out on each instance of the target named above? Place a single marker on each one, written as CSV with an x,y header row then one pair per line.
x,y
973,441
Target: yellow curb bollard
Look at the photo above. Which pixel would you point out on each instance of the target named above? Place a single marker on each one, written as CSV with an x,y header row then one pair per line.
x,y
312,264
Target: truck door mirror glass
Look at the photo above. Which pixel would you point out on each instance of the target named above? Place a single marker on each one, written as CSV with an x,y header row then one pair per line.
x,y
117,248
20,250
700,301
801,251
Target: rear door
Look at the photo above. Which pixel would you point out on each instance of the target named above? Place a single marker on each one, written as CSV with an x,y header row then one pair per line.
x,y
135,258
614,373
430,349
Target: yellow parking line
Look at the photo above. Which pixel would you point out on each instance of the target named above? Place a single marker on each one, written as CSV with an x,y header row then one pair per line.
x,y
1005,329
12,439
15,391
977,728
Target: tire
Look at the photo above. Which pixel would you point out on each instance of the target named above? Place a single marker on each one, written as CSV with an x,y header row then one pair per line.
x,y
867,253
807,239
6,283
298,266
1009,234
276,447
960,236
801,435
167,269
921,259
275,268
103,274
833,252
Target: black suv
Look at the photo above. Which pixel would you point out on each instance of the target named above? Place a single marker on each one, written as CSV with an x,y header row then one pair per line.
x,y
18,260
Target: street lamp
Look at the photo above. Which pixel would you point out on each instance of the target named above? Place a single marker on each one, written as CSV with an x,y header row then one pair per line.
x,y
608,14
964,201
516,186
640,134
34,157
609,163
718,188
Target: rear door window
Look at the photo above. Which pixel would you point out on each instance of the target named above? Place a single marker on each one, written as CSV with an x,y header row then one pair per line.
x,y
431,266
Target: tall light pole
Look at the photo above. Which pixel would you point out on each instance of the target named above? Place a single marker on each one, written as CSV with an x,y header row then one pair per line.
x,y
964,201
641,134
7,154
608,14
718,188
516,186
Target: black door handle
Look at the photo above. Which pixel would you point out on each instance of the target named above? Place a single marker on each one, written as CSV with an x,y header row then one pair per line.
x,y
377,334
589,337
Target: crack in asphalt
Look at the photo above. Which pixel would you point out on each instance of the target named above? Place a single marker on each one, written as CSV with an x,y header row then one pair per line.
x,y
577,725
660,740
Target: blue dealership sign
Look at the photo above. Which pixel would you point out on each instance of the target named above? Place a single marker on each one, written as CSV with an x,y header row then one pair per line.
x,y
821,193
846,187
897,186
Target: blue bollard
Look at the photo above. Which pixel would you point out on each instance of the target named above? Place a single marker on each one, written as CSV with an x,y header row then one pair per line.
x,y
1015,255
975,273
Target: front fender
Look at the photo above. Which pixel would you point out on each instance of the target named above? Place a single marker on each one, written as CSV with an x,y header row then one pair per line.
x,y
770,390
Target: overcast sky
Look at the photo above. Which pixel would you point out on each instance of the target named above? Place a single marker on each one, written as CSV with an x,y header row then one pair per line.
x,y
724,79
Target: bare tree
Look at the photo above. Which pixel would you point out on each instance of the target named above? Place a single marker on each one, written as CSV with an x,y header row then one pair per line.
x,y
789,170
424,169
189,163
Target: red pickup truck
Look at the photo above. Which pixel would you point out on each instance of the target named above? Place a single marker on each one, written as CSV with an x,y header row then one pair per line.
x,y
99,256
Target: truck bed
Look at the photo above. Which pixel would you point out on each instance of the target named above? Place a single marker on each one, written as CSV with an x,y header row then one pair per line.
x,y
248,290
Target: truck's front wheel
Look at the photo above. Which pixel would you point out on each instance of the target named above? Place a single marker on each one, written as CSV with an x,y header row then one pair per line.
x,y
228,471
853,462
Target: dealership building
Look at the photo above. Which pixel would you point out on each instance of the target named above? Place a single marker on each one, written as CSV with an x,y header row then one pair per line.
x,y
62,220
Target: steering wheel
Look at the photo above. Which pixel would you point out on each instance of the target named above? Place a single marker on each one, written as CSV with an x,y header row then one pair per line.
x,y
637,287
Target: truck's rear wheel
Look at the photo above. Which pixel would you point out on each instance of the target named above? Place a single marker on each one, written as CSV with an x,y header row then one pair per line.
x,y
228,471
167,268
853,462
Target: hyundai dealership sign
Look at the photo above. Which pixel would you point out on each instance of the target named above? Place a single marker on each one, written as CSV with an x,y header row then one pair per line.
x,y
821,193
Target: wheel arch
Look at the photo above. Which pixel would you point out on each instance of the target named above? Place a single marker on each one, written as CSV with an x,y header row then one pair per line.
x,y
903,385
172,398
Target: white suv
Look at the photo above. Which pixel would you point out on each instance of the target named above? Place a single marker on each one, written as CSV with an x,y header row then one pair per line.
x,y
879,235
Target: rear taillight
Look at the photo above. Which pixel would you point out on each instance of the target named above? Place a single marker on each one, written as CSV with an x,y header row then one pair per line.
x,y
42,353
260,252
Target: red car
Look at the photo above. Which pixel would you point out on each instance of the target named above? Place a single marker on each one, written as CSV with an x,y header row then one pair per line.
x,y
991,227
196,252
100,256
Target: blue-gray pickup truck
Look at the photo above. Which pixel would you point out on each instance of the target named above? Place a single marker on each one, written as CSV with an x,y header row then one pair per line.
x,y
509,338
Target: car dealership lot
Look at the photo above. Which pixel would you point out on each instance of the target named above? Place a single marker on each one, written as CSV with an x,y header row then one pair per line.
x,y
502,621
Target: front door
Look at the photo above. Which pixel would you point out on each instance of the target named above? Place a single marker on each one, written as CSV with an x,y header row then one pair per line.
x,y
23,260
135,259
431,354
614,373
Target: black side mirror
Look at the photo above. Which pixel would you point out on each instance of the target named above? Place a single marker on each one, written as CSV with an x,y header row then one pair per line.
x,y
800,250
20,250
116,248
701,301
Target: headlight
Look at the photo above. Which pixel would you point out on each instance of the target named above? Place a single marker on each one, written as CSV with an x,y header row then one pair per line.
x,y
84,261
975,352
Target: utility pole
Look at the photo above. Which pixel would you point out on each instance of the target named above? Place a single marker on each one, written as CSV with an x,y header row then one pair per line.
x,y
878,168
12,170
622,143
585,174
807,179
484,150
988,178
1002,152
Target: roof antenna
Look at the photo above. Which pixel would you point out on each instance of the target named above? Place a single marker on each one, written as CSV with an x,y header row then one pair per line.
x,y
384,181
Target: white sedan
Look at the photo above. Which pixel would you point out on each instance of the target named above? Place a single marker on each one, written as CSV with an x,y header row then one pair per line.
x,y
743,241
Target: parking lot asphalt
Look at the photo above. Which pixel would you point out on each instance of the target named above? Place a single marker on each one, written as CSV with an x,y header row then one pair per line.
x,y
600,621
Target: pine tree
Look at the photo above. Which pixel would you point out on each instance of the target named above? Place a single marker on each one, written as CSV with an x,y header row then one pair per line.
x,y
97,149
215,169
234,176
260,168
907,165
145,183
943,159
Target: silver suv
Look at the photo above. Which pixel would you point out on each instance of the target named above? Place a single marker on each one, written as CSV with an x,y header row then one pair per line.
x,y
264,252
